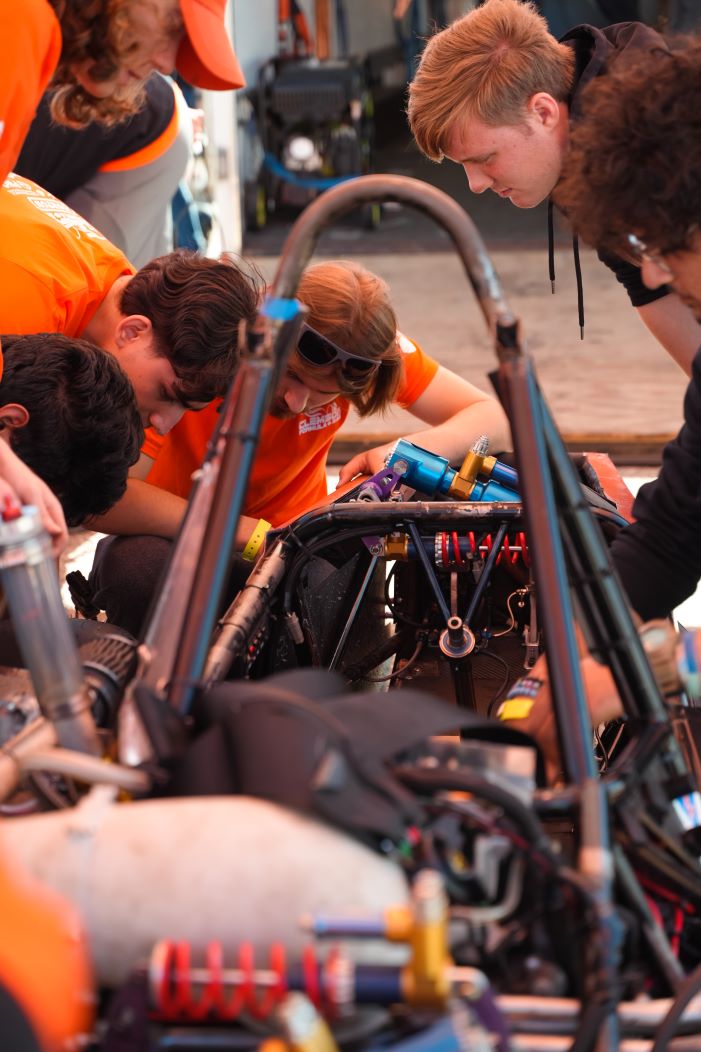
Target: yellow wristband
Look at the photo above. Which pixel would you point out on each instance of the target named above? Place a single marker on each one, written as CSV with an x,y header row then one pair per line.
x,y
515,709
255,541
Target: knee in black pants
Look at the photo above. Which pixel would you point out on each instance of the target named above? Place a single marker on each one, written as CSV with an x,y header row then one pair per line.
x,y
125,576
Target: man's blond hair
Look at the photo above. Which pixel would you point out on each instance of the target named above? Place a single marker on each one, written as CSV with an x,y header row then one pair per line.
x,y
486,64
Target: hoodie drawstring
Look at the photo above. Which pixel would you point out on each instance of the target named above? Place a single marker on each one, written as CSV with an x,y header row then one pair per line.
x,y
577,268
580,289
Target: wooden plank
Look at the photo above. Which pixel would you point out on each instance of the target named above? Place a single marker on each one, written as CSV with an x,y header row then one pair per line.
x,y
624,449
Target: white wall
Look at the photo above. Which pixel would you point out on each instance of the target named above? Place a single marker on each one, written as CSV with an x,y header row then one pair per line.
x,y
369,27
255,25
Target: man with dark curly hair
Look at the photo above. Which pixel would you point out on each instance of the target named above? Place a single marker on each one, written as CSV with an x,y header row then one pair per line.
x,y
633,184
496,93
67,410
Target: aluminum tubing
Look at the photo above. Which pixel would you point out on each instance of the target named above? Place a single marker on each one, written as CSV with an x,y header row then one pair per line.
x,y
231,869
642,1015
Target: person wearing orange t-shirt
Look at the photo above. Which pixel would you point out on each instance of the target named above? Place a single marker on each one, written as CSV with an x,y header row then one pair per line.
x,y
349,353
172,325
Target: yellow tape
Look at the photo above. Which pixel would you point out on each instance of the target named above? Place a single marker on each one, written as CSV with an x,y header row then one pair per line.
x,y
255,541
515,709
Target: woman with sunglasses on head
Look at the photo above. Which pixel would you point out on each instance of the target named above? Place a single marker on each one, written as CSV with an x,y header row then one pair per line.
x,y
349,354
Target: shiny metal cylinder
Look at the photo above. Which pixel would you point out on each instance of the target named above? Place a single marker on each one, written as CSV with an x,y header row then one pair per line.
x,y
30,582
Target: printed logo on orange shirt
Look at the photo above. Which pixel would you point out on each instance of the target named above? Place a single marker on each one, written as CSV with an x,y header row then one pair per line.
x,y
49,205
320,418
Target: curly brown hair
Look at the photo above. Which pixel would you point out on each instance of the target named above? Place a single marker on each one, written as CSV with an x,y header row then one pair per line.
x,y
195,305
351,306
632,164
486,64
96,31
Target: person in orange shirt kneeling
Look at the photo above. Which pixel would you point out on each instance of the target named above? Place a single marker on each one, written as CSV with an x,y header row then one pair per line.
x,y
349,354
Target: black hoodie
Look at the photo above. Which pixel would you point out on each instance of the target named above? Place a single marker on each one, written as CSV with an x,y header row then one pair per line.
x,y
596,51
658,557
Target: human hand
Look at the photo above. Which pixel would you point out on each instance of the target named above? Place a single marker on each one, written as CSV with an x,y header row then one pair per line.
x,y
400,8
660,643
18,483
369,462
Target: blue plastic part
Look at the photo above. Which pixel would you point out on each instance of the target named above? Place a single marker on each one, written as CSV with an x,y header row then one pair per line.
x,y
441,1037
430,474
347,927
426,472
492,491
278,309
508,476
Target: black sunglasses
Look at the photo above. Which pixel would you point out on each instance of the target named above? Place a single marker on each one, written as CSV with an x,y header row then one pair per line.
x,y
317,350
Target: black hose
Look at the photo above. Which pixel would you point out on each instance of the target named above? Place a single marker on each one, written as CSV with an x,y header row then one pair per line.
x,y
470,781
668,1027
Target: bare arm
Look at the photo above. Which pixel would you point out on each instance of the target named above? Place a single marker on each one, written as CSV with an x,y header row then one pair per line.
x,y
146,509
142,509
674,326
602,699
457,412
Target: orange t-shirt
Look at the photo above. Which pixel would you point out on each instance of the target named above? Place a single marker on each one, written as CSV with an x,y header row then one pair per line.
x,y
30,46
55,268
289,470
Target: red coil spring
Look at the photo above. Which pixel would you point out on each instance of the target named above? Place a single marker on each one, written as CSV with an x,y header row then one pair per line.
x,y
221,993
182,993
451,554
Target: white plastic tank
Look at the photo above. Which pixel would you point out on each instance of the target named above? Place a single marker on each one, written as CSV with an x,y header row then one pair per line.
x,y
231,869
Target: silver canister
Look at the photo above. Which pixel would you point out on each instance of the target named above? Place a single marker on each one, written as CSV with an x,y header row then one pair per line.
x,y
30,582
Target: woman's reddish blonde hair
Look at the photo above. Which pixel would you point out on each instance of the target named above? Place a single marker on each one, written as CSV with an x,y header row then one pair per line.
x,y
97,32
351,306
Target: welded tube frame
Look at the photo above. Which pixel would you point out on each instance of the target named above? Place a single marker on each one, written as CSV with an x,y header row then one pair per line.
x,y
546,548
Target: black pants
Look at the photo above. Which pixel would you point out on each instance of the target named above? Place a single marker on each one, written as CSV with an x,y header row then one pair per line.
x,y
127,572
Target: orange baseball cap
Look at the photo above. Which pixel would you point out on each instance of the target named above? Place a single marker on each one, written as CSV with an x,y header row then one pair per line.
x,y
205,57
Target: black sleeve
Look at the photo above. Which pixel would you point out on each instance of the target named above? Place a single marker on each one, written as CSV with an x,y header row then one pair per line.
x,y
629,277
658,557
63,159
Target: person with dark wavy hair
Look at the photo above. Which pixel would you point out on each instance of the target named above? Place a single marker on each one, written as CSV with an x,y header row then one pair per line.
x,y
633,183
172,324
634,160
67,409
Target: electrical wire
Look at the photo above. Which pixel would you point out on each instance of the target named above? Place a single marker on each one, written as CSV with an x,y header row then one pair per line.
x,y
402,672
512,623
